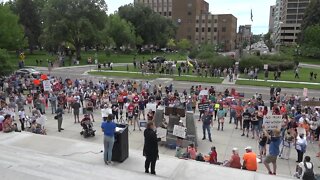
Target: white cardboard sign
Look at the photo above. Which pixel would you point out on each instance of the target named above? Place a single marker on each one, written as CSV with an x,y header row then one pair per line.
x,y
179,131
272,122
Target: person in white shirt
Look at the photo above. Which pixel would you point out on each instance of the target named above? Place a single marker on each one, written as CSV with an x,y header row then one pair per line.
x,y
303,118
301,147
22,117
105,112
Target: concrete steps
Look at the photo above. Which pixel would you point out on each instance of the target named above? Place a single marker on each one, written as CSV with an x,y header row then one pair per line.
x,y
28,156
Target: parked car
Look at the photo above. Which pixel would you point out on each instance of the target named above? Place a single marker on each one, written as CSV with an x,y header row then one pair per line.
x,y
28,71
157,59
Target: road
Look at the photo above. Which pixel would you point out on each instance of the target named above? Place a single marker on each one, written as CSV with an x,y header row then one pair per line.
x,y
249,91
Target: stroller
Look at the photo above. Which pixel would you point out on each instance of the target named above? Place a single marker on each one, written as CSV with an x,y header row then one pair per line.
x,y
87,127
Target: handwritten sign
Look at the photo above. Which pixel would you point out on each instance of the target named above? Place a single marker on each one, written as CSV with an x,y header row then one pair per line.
x,y
203,106
272,122
162,133
46,85
179,131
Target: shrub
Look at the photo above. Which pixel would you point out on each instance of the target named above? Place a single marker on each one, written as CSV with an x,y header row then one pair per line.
x,y
219,62
250,62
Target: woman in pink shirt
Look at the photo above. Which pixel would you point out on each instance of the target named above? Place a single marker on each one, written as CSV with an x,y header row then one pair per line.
x,y
192,151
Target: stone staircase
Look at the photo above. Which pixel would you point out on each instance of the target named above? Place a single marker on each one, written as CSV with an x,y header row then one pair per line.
x,y
28,156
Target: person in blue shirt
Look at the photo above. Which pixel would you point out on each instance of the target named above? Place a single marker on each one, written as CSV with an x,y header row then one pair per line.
x,y
274,151
108,128
221,115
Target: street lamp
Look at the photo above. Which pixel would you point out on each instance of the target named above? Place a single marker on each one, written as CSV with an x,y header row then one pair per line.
x,y
284,33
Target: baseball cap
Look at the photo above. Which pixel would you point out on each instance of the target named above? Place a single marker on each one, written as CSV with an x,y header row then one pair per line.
x,y
248,148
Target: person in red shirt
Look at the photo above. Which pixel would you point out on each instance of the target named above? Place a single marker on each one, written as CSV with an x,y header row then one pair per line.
x,y
213,156
130,112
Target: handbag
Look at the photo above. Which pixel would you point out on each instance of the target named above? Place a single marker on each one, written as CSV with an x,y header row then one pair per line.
x,y
56,117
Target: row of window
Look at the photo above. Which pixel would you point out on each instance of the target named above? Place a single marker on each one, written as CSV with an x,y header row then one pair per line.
x,y
223,29
165,13
204,21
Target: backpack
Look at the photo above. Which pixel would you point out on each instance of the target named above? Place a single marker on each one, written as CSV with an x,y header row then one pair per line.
x,y
308,173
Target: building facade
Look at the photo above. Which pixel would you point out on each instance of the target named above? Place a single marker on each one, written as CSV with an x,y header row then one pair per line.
x,y
272,18
244,35
289,19
196,23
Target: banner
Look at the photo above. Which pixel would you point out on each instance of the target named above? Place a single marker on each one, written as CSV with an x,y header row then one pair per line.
x,y
272,122
179,131
46,85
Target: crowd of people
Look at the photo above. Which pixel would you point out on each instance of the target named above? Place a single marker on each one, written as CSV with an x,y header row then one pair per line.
x,y
127,102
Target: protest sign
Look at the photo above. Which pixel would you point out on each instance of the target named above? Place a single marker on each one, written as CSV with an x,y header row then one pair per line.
x,y
272,122
203,106
46,85
162,133
179,131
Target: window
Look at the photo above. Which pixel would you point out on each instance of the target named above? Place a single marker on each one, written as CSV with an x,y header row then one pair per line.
x,y
209,29
214,29
165,13
189,13
215,21
197,29
189,37
224,29
197,21
169,13
203,29
160,13
203,21
214,38
209,21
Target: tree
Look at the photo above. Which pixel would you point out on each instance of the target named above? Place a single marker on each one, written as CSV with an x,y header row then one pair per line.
x,y
29,18
268,41
73,21
149,25
171,43
5,66
11,33
121,31
311,15
311,43
184,44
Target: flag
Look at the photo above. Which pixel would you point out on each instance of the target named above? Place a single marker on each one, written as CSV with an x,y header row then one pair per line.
x,y
251,16
188,61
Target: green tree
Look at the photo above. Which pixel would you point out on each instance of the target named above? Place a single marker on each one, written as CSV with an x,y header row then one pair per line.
x,y
184,44
29,18
171,43
311,15
311,43
152,27
74,21
268,41
11,32
122,32
5,66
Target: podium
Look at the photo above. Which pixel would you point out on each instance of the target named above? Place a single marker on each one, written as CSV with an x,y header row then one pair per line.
x,y
120,151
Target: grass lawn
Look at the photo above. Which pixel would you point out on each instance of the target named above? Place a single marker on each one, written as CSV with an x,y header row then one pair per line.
x,y
30,59
308,60
282,85
304,74
154,76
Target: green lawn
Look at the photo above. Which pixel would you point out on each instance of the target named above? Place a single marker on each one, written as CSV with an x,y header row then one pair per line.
x,y
304,74
154,76
307,60
30,59
282,85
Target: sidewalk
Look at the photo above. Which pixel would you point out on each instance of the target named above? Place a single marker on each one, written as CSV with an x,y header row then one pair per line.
x,y
289,82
